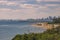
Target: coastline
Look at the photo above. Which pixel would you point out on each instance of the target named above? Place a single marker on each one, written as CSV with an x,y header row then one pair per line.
x,y
45,25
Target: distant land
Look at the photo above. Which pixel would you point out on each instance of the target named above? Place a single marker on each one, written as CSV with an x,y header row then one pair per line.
x,y
48,19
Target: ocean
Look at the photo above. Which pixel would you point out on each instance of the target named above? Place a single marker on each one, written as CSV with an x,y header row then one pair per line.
x,y
8,31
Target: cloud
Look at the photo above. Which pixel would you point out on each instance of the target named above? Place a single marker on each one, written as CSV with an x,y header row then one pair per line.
x,y
26,5
48,0
17,14
52,0
43,7
25,9
7,3
52,5
29,6
5,10
25,13
38,0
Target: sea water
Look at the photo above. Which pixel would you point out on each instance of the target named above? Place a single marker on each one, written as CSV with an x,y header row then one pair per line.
x,y
8,31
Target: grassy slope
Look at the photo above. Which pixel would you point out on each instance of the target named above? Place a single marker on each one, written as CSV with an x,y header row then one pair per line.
x,y
53,34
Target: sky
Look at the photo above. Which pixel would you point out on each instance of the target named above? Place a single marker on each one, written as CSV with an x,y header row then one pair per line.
x,y
27,9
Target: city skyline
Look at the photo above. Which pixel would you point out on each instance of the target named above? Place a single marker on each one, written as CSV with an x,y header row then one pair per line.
x,y
27,9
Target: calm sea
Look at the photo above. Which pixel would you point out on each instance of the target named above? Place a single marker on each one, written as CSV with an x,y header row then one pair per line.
x,y
8,31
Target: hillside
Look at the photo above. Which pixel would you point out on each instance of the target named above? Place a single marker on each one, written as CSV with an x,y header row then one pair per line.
x,y
53,34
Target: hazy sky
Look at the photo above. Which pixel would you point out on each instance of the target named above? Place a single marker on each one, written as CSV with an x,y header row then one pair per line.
x,y
25,9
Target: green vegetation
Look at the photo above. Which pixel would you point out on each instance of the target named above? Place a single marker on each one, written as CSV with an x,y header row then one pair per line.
x,y
53,34
55,21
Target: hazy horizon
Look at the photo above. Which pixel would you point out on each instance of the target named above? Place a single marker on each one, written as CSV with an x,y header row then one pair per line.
x,y
32,18
29,9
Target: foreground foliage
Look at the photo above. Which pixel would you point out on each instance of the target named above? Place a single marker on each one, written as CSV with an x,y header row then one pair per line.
x,y
53,34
